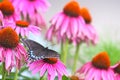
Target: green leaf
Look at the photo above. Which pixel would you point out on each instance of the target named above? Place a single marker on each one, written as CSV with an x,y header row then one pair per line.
x,y
65,78
23,69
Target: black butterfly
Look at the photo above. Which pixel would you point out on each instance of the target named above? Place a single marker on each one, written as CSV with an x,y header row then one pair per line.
x,y
36,51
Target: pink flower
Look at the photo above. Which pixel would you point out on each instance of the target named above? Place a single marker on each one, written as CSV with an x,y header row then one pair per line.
x,y
66,24
90,30
8,11
52,66
69,24
11,51
31,9
98,69
22,27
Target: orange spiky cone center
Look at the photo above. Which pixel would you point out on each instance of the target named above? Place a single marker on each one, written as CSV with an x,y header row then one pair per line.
x,y
73,77
22,23
86,15
7,8
50,60
101,61
72,9
8,38
117,69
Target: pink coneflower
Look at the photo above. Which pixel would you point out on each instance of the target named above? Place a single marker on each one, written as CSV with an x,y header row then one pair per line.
x,y
69,24
31,9
66,24
90,30
116,69
11,51
98,69
52,66
8,11
22,27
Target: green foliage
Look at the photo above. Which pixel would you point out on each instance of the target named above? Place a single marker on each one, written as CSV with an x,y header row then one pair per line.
x,y
65,78
0,69
112,48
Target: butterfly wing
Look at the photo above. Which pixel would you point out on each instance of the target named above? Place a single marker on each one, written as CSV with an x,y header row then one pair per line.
x,y
48,53
36,51
34,48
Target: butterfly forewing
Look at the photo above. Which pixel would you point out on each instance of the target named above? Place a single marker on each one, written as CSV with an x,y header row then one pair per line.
x,y
34,45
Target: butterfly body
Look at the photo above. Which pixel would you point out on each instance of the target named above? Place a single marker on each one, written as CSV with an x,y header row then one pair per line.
x,y
36,51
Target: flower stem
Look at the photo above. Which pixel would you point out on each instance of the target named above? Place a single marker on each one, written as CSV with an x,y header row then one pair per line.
x,y
75,58
16,74
3,71
42,78
64,51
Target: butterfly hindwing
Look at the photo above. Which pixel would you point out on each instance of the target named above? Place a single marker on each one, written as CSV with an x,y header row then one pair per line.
x,y
48,53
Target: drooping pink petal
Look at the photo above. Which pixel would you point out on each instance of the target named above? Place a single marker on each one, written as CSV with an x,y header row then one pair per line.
x,y
74,26
59,69
90,75
104,75
55,18
34,29
17,54
35,64
80,28
51,72
21,49
43,69
98,75
49,34
110,74
59,76
85,68
8,58
68,33
1,16
62,68
64,25
59,22
37,68
18,30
